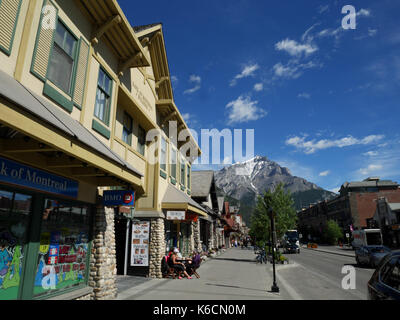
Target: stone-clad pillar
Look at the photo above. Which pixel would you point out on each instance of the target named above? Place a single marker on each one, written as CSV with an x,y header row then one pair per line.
x,y
157,247
103,265
211,238
191,241
196,235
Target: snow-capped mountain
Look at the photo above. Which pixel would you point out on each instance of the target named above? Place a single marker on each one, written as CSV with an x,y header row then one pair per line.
x,y
248,179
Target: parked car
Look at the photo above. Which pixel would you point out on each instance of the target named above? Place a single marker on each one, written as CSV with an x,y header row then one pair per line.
x,y
385,282
371,255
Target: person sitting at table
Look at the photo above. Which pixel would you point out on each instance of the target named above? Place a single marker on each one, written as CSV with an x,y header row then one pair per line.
x,y
178,266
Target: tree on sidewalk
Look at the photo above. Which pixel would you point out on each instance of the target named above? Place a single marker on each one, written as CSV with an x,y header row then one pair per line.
x,y
283,205
332,232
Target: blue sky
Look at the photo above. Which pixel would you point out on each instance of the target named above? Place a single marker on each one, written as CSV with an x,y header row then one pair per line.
x,y
322,100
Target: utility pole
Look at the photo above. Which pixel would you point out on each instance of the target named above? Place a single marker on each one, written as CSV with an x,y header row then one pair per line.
x,y
271,214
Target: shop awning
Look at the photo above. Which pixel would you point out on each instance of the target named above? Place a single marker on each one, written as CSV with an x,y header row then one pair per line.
x,y
394,206
176,199
148,214
16,93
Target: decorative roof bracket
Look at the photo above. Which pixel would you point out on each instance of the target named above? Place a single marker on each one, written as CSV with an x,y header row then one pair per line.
x,y
112,21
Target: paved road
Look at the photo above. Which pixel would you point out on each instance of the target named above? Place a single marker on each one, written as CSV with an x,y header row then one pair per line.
x,y
233,275
317,275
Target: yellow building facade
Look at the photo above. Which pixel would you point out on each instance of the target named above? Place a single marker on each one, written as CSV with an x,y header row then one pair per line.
x,y
80,90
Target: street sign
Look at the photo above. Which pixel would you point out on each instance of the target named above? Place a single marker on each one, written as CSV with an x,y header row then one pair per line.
x,y
347,235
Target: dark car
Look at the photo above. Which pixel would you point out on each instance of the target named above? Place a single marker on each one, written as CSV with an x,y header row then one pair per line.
x,y
291,247
385,282
371,255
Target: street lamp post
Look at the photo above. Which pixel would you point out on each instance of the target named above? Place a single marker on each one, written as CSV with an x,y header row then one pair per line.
x,y
271,214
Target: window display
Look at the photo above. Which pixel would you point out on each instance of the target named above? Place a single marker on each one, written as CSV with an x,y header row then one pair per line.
x,y
64,247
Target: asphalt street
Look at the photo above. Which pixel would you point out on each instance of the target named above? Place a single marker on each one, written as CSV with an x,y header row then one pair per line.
x,y
316,275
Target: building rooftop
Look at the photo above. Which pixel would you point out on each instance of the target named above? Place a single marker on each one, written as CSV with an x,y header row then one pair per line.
x,y
201,183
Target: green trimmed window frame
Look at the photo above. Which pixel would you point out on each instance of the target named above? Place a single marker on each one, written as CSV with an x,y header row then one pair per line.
x,y
141,144
99,128
104,88
173,163
188,176
163,154
182,173
72,55
127,128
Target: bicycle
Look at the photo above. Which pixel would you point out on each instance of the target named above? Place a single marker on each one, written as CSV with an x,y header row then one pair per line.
x,y
261,256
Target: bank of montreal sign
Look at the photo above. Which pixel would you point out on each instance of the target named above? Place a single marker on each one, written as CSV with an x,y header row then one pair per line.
x,y
118,198
21,175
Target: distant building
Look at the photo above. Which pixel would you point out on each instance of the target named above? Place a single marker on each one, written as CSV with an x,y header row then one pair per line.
x,y
387,218
356,206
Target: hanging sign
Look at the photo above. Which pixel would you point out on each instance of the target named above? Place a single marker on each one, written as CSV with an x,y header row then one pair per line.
x,y
176,215
22,175
118,198
140,244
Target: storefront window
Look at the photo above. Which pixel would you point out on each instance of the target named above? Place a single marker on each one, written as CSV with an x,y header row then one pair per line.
x,y
15,212
64,242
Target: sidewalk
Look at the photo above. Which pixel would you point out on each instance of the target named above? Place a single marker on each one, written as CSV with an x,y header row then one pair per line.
x,y
343,251
233,275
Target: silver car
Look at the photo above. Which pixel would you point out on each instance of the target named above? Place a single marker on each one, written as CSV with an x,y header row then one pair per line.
x,y
371,255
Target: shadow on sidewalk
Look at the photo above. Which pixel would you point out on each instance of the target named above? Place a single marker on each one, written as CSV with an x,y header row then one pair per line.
x,y
234,259
230,286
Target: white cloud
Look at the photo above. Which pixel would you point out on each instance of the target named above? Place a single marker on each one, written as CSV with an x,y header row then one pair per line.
x,y
324,173
363,13
293,69
186,116
312,146
243,109
196,80
174,78
335,190
258,87
331,32
247,71
306,37
294,48
372,168
372,32
322,8
371,153
304,95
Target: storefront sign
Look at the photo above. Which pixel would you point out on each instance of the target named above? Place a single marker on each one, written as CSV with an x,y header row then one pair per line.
x,y
118,198
396,227
176,215
21,175
140,244
191,217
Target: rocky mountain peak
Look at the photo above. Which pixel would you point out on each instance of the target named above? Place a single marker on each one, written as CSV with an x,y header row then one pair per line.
x,y
255,176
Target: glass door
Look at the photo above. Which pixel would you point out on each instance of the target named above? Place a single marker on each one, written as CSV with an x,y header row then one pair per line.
x,y
15,214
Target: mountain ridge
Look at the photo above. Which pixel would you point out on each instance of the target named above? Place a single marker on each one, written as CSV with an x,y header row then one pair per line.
x,y
246,180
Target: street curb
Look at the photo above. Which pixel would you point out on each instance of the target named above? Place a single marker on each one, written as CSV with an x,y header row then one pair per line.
x,y
332,252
